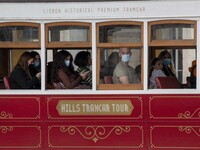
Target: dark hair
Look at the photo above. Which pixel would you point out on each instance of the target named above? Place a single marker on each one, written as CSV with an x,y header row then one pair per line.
x,y
163,53
153,62
23,62
59,63
34,53
114,57
81,58
138,69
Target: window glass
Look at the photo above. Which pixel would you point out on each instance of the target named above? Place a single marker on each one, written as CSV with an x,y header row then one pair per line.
x,y
171,63
110,58
172,32
19,34
72,72
120,34
180,64
68,34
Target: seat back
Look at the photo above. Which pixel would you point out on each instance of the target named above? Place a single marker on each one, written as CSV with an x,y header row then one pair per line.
x,y
168,83
108,80
6,82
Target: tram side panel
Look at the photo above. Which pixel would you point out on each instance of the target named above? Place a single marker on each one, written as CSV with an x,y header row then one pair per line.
x,y
21,122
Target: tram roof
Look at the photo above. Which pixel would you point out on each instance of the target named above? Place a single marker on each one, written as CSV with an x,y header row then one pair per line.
x,y
30,1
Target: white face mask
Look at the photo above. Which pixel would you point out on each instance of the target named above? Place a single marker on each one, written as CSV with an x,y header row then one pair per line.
x,y
67,63
126,57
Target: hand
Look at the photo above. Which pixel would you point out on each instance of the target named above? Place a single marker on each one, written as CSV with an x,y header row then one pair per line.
x,y
38,75
84,74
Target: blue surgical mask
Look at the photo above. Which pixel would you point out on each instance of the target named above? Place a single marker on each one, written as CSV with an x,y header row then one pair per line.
x,y
167,61
126,57
67,63
36,64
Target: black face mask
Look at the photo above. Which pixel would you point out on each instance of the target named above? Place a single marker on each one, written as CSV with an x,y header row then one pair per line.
x,y
31,66
32,69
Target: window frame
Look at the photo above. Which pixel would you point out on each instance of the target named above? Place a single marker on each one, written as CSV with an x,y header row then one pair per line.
x,y
138,45
170,44
66,44
183,43
22,44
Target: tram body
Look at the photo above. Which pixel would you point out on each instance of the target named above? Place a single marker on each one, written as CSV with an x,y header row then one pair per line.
x,y
107,116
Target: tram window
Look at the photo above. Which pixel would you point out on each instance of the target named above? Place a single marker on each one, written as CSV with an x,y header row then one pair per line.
x,y
176,39
124,39
68,33
53,83
15,39
31,68
19,33
120,34
109,59
68,38
172,32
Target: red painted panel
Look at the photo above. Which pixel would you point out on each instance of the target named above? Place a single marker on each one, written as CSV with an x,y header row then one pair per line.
x,y
19,107
33,122
175,137
137,113
20,136
174,107
95,136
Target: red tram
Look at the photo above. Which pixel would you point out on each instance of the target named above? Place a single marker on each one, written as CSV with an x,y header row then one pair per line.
x,y
108,116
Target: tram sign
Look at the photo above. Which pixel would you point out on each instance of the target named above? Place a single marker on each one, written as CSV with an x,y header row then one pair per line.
x,y
103,107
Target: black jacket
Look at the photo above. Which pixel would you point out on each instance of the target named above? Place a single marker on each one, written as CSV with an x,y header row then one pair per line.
x,y
20,80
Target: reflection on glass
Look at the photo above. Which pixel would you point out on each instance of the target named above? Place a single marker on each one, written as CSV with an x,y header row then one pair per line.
x,y
28,77
120,34
172,32
78,63
19,34
69,34
111,58
181,63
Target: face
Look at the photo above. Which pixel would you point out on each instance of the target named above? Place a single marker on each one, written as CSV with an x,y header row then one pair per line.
x,y
89,60
68,58
167,56
124,51
30,61
37,58
158,65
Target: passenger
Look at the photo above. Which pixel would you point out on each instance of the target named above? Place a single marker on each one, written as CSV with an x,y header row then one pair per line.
x,y
20,77
63,75
155,71
36,66
192,79
83,61
168,69
109,65
138,71
123,72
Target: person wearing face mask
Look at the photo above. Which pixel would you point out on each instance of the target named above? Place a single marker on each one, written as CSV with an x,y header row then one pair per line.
x,y
63,75
123,72
36,66
20,77
165,56
83,61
